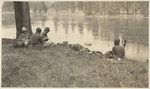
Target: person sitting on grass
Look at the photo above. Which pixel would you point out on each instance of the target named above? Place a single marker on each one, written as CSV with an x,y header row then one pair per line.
x,y
23,39
118,50
44,34
36,38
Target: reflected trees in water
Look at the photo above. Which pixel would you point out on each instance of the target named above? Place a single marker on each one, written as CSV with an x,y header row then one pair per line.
x,y
88,25
95,28
73,25
56,26
65,25
55,20
80,27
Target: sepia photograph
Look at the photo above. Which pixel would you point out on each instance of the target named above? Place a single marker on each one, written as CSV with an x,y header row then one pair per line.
x,y
75,44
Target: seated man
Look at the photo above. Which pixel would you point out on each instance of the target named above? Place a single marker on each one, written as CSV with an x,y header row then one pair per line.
x,y
123,41
36,38
23,39
118,51
44,34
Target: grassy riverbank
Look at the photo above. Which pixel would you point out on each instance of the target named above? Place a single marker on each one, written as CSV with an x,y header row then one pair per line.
x,y
58,66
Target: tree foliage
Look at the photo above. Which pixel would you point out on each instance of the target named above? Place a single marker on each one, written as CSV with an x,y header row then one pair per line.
x,y
90,7
103,8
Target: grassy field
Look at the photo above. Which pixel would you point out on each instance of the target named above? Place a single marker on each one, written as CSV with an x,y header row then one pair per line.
x,y
58,66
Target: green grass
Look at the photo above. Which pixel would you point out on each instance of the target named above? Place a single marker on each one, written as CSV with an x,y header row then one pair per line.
x,y
57,66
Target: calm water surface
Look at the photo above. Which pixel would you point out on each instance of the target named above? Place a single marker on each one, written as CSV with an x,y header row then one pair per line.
x,y
100,31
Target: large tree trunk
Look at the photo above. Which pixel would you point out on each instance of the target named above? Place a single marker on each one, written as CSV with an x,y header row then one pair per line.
x,y
22,17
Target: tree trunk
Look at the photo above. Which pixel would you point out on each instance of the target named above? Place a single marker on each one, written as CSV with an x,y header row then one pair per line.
x,y
22,17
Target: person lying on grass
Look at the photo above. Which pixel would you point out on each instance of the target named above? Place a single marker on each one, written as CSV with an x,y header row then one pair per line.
x,y
23,40
44,34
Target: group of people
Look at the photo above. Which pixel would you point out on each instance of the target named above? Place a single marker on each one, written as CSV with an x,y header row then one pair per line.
x,y
118,51
36,39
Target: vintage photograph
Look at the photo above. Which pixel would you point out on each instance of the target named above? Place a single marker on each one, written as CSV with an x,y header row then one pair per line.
x,y
75,44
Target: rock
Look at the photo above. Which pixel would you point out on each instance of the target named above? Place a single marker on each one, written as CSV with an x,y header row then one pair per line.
x,y
109,54
98,53
65,42
70,45
85,50
60,44
76,47
94,52
87,44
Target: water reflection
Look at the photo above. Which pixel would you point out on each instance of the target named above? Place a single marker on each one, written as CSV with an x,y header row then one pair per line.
x,y
56,26
73,26
55,19
88,25
80,27
95,27
99,31
65,26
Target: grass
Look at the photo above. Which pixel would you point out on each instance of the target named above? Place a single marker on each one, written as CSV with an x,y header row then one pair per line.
x,y
58,66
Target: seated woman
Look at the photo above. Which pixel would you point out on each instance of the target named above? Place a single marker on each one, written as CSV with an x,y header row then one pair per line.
x,y
118,50
44,34
23,39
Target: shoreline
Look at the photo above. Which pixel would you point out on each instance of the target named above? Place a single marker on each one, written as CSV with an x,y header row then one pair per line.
x,y
76,47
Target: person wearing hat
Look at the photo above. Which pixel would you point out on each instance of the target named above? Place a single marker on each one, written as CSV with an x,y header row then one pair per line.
x,y
44,34
118,50
24,38
36,38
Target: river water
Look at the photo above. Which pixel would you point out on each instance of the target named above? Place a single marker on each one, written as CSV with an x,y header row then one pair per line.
x,y
99,31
